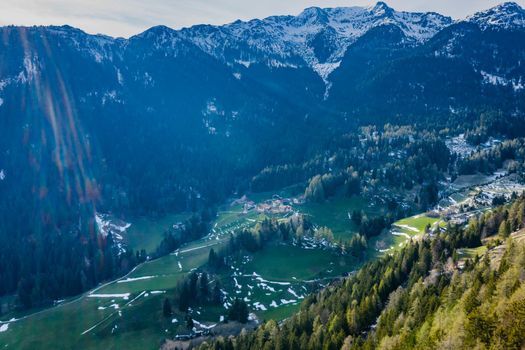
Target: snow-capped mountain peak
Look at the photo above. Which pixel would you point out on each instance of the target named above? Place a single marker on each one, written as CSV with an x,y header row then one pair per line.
x,y
313,15
508,15
381,9
316,38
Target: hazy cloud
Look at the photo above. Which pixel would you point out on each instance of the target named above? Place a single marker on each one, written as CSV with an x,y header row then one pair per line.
x,y
128,17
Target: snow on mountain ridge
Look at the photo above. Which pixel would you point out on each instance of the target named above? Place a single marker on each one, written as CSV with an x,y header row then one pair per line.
x,y
291,40
508,15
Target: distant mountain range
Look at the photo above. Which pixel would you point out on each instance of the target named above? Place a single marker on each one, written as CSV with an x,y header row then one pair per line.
x,y
164,106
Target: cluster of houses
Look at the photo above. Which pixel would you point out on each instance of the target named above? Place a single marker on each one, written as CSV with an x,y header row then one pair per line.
x,y
275,205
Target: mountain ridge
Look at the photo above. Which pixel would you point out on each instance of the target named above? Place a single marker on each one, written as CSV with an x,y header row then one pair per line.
x,y
316,38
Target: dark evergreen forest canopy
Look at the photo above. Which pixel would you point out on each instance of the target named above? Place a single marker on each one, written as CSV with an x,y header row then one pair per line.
x,y
401,111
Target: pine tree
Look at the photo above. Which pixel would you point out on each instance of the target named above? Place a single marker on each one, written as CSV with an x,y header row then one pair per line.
x,y
238,311
217,294
204,290
189,322
504,229
166,308
184,297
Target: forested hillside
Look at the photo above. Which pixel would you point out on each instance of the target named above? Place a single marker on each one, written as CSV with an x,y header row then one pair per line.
x,y
429,295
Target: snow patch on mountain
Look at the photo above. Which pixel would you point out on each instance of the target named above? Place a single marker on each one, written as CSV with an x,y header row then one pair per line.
x,y
507,16
317,38
496,80
30,71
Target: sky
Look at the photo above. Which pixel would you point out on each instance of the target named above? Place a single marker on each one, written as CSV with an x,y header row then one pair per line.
x,y
128,17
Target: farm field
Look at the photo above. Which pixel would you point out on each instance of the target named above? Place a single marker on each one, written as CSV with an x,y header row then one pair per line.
x,y
277,278
112,313
122,314
416,224
401,233
127,313
146,233
336,213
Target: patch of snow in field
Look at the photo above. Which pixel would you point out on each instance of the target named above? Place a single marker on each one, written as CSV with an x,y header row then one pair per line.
x,y
413,229
264,286
136,279
4,327
221,318
124,296
291,301
180,265
237,285
158,292
262,280
247,64
2,175
292,292
259,306
402,234
200,325
174,320
273,304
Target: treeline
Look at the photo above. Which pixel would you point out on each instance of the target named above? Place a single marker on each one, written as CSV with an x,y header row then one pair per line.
x,y
494,124
383,161
371,227
279,176
49,283
50,247
488,161
198,289
482,307
196,227
53,265
255,239
324,186
373,160
502,220
391,303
